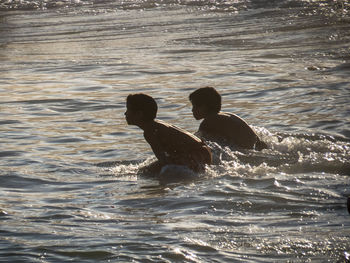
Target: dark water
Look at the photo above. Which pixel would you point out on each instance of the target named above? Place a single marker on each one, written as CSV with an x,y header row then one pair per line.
x,y
69,183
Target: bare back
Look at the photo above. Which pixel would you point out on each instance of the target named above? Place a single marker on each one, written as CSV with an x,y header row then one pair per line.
x,y
228,128
173,145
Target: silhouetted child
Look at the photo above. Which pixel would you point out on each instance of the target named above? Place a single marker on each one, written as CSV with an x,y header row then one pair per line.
x,y
170,144
221,127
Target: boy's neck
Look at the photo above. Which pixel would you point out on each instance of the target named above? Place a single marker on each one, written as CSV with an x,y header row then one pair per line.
x,y
145,125
211,114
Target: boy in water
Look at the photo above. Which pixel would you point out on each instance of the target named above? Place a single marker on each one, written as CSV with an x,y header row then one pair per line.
x,y
221,127
170,144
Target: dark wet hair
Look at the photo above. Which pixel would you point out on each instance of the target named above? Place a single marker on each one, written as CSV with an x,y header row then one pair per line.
x,y
207,96
144,103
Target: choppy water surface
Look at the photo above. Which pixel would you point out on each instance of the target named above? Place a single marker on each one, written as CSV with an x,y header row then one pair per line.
x,y
69,183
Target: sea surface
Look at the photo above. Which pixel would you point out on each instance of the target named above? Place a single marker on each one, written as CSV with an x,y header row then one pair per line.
x,y
70,186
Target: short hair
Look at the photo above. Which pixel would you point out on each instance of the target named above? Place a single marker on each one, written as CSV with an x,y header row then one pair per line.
x,y
144,103
207,96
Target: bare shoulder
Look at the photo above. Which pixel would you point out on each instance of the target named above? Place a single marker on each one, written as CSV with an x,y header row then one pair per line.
x,y
229,116
164,130
163,127
231,119
154,129
221,120
176,133
225,124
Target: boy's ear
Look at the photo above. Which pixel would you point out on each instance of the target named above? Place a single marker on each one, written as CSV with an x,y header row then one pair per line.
x,y
139,114
203,108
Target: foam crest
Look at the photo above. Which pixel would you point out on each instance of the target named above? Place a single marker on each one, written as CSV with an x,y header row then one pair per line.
x,y
287,153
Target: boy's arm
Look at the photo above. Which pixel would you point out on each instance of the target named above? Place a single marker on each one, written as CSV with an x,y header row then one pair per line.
x,y
156,146
204,131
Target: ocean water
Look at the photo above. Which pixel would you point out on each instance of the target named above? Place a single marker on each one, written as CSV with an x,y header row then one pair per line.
x,y
70,189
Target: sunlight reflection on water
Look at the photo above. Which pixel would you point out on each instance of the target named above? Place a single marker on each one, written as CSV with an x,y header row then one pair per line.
x,y
70,180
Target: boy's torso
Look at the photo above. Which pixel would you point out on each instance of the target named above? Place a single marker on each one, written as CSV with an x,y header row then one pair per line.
x,y
172,138
228,128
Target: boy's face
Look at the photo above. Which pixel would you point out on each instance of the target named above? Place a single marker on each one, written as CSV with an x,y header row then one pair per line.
x,y
132,117
198,111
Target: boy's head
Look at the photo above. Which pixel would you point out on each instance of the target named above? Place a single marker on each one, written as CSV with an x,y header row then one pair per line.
x,y
205,101
142,106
